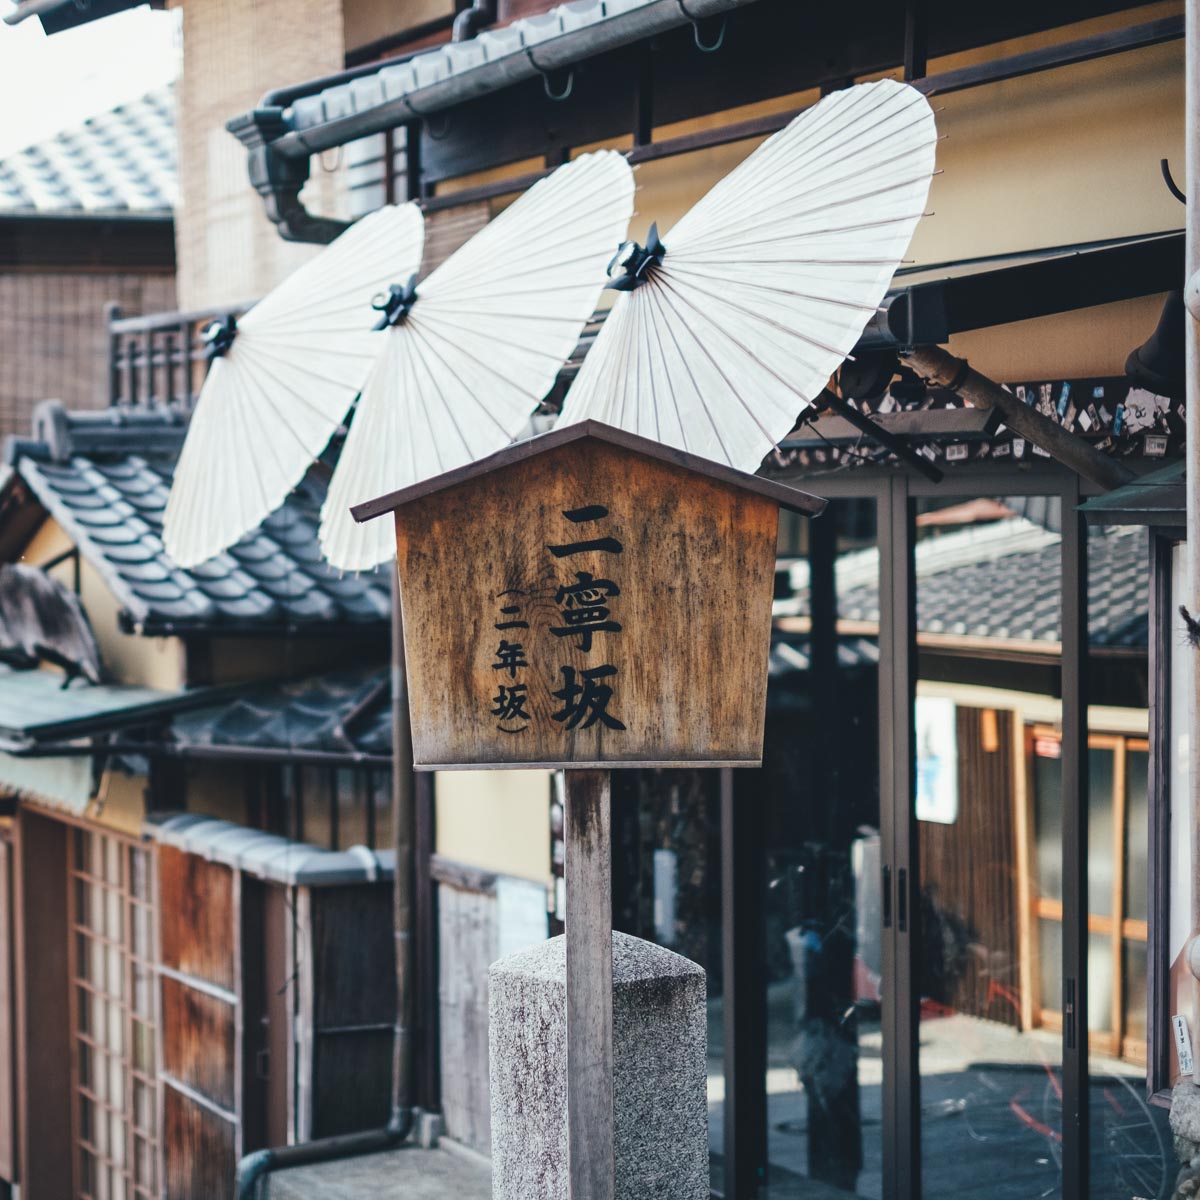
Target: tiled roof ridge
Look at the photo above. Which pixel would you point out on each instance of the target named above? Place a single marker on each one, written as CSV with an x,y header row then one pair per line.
x,y
1003,585
60,433
122,160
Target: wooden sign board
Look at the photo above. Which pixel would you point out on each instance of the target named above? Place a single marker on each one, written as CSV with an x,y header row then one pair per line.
x,y
587,598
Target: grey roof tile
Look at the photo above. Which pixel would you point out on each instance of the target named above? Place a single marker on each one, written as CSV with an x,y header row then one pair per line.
x,y
1014,594
118,162
112,506
345,712
36,706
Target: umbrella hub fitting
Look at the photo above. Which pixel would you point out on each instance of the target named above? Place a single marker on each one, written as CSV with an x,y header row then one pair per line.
x,y
218,336
395,304
632,264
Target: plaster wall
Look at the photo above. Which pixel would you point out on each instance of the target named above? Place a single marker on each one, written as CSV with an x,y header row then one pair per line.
x,y
1052,159
370,21
156,662
496,820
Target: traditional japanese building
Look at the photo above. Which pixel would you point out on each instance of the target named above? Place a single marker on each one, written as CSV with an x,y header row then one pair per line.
x,y
938,923
86,220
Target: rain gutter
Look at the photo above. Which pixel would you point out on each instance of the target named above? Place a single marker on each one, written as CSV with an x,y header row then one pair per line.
x,y
281,134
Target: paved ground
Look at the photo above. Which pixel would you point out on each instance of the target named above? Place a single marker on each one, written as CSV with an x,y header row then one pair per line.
x,y
446,1173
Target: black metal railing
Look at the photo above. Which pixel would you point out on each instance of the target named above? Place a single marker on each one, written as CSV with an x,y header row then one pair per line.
x,y
159,360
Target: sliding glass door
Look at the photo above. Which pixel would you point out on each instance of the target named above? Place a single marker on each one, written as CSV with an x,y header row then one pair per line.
x,y
925,918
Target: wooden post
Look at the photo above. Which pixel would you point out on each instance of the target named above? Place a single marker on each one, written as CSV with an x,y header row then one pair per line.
x,y
588,870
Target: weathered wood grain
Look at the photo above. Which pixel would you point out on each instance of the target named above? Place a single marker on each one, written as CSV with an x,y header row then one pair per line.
x,y
468,941
589,985
201,1149
692,586
197,916
199,1042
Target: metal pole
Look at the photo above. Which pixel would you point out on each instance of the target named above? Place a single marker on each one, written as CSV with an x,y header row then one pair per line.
x,y
403,806
743,942
1076,1095
588,868
1192,350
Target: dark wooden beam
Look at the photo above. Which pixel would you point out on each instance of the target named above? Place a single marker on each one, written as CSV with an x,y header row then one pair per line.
x,y
1064,54
40,242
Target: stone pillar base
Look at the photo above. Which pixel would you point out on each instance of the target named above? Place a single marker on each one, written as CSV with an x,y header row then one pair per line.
x,y
660,1071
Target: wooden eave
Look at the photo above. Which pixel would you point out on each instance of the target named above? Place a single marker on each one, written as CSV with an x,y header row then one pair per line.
x,y
139,243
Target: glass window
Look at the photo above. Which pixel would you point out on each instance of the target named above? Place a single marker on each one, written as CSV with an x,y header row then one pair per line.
x,y
991,862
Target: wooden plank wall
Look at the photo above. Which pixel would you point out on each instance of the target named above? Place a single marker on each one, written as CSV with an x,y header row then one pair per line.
x,y
200,1149
54,340
449,229
468,943
969,882
201,1024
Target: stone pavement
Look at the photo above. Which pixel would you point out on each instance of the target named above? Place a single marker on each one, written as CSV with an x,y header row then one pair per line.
x,y
445,1173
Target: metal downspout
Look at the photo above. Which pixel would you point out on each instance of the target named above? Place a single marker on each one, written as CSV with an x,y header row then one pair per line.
x,y
471,20
278,156
403,826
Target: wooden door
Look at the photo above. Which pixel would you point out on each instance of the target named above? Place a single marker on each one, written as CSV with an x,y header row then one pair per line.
x,y
348,1001
1116,887
44,1051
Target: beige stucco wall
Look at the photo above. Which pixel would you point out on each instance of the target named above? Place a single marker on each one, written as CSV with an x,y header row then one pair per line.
x,y
233,52
496,820
156,662
370,21
1057,158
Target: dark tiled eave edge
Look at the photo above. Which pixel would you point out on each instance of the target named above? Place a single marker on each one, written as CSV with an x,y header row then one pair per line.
x,y
132,604
1158,498
137,614
786,497
46,738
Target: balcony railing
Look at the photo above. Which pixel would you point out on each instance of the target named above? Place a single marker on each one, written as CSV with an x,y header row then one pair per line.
x,y
159,360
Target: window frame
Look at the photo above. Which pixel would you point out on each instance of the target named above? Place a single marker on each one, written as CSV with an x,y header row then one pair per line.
x,y
1158,964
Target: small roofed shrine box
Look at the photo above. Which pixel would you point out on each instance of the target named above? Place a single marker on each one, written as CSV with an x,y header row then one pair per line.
x,y
587,598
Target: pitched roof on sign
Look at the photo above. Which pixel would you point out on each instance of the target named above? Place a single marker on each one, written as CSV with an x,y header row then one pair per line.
x,y
118,163
782,494
108,494
1002,583
1157,498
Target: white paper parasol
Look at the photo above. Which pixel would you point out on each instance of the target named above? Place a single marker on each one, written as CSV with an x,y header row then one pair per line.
x,y
281,382
734,322
477,346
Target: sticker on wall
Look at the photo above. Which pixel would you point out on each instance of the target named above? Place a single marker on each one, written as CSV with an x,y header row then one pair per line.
x,y
937,760
1183,1044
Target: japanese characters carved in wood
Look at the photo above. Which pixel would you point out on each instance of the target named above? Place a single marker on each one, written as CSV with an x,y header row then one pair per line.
x,y
576,601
